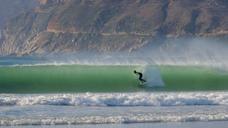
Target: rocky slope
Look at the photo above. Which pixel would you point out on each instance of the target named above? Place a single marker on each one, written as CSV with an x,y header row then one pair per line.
x,y
12,8
65,26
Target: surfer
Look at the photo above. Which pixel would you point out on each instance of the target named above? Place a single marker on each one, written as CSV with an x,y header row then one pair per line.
x,y
140,76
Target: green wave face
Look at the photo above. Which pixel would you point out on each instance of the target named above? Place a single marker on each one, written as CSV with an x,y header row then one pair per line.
x,y
76,78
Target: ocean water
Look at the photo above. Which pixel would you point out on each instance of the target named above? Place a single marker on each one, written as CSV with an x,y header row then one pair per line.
x,y
108,78
112,108
220,124
48,95
68,109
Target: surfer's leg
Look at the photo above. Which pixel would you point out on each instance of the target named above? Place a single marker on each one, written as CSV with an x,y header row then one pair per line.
x,y
142,80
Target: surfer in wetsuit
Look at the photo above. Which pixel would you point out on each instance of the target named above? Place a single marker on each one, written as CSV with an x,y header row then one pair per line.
x,y
140,76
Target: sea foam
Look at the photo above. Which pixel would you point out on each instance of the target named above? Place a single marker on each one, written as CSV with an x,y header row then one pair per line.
x,y
113,119
118,99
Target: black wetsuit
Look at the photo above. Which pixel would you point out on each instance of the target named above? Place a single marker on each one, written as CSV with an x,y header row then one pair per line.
x,y
140,76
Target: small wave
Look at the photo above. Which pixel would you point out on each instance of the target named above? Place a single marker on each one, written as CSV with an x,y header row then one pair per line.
x,y
146,118
118,99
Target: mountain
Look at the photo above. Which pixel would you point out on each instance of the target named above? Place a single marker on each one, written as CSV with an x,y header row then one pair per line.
x,y
12,8
73,26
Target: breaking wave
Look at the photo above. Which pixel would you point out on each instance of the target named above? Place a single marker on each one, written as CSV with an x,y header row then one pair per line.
x,y
148,118
118,99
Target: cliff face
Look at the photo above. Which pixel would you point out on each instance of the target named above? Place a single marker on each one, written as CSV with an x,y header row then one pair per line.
x,y
58,26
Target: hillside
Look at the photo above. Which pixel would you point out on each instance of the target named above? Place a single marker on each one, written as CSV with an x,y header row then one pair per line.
x,y
66,26
12,8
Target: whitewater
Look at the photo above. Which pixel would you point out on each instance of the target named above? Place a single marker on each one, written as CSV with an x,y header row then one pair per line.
x,y
117,99
112,108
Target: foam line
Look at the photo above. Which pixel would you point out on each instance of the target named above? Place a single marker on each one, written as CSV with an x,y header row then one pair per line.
x,y
118,99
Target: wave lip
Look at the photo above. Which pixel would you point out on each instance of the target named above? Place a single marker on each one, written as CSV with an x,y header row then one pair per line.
x,y
118,99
